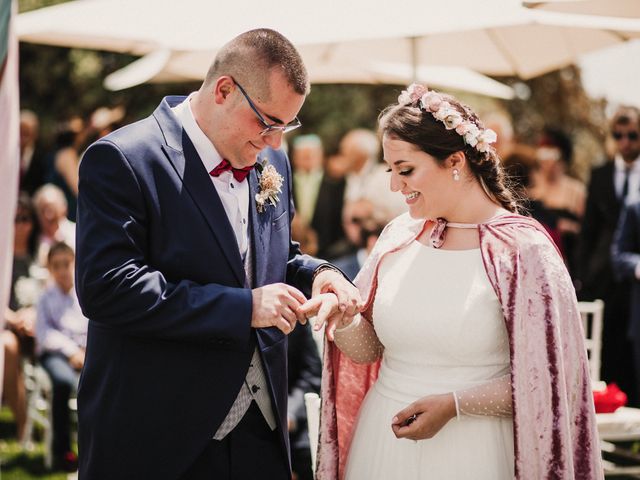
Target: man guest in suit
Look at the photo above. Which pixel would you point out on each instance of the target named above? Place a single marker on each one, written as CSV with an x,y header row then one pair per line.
x,y
190,281
318,198
612,185
626,266
33,165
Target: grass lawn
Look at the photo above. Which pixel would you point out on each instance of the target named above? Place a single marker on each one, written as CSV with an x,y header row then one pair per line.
x,y
16,464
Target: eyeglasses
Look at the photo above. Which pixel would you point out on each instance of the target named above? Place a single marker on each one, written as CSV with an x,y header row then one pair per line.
x,y
269,128
22,219
632,136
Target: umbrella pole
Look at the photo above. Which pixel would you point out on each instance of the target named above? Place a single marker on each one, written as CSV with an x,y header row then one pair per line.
x,y
414,59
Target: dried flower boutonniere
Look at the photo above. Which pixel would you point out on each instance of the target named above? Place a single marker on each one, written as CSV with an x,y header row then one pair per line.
x,y
269,185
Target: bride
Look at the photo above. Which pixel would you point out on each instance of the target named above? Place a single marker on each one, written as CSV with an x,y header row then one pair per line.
x,y
468,360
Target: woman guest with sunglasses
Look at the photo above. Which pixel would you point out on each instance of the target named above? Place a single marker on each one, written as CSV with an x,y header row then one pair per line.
x,y
468,361
187,272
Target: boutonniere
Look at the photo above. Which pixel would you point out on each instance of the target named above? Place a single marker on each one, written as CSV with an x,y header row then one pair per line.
x,y
269,185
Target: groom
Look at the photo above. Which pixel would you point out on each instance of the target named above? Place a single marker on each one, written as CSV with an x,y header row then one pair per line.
x,y
187,272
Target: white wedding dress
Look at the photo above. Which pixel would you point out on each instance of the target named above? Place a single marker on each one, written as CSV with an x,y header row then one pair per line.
x,y
441,325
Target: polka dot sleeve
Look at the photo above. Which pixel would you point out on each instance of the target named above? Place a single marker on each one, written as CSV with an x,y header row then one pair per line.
x,y
359,341
492,398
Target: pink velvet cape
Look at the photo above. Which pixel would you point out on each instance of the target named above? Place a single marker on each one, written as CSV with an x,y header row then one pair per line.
x,y
555,434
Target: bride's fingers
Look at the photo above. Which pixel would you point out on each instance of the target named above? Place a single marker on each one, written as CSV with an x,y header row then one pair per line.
x,y
311,307
405,416
326,311
333,323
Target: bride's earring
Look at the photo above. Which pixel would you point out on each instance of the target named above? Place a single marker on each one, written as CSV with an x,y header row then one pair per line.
x,y
456,174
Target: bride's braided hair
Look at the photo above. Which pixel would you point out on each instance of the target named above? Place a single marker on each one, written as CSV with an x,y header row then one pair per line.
x,y
415,124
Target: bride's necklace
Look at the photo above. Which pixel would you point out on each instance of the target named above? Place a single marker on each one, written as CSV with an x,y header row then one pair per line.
x,y
437,235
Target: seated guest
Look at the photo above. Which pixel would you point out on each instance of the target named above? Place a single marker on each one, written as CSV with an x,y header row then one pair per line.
x,y
61,337
362,223
51,207
17,337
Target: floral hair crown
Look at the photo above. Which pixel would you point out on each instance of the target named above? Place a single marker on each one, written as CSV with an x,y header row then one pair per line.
x,y
436,104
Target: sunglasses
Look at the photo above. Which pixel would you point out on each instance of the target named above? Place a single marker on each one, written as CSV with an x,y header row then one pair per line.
x,y
268,127
23,219
632,136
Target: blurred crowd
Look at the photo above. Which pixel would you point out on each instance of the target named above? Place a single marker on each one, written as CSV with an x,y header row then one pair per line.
x,y
343,202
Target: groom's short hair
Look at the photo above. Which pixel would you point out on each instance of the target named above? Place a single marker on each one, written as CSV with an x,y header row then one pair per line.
x,y
251,54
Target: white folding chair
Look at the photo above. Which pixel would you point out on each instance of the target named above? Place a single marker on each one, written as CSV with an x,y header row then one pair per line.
x,y
39,409
312,405
591,313
38,388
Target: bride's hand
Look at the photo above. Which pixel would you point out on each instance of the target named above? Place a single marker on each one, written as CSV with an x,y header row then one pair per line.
x,y
425,417
326,308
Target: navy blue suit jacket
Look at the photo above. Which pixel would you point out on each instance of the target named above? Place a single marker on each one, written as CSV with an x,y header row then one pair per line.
x,y
160,278
625,255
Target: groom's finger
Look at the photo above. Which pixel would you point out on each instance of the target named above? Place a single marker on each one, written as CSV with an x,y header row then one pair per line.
x,y
283,325
300,317
296,294
310,307
290,316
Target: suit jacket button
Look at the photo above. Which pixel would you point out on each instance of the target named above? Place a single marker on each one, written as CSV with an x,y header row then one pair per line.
x,y
255,389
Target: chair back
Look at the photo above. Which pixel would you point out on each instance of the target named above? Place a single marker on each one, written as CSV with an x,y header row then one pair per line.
x,y
591,313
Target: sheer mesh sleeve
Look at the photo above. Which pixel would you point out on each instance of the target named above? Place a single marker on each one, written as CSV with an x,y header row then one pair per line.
x,y
359,341
492,398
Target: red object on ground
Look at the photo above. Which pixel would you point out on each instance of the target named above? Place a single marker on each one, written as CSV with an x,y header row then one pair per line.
x,y
609,399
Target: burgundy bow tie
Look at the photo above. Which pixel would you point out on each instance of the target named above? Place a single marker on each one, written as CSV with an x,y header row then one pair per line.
x,y
238,173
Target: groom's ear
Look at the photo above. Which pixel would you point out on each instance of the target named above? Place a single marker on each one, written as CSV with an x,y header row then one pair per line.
x,y
222,88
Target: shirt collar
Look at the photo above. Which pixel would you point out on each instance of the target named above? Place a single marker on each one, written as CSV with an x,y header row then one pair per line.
x,y
621,165
208,153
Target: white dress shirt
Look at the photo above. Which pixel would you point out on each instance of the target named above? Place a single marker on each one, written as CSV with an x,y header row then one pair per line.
x,y
235,200
233,194
620,166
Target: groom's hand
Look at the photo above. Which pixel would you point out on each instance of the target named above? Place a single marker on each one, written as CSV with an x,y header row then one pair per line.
x,y
277,305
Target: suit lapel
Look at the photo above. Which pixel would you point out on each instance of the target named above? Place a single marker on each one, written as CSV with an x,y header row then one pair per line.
x,y
187,164
259,231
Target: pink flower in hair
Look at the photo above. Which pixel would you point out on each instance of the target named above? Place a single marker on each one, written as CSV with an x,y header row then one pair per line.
x,y
488,136
412,93
471,137
444,112
485,139
432,101
404,98
463,128
416,91
453,120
